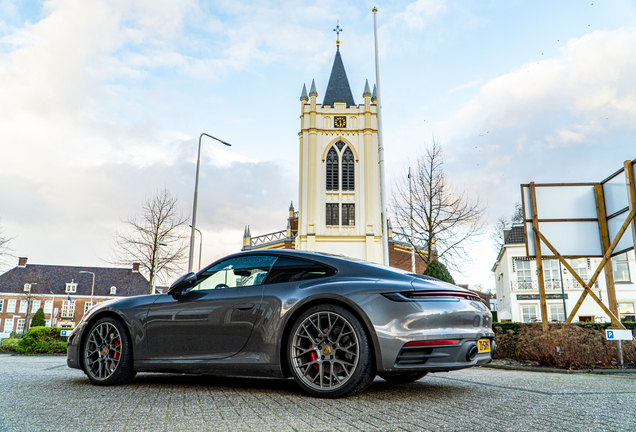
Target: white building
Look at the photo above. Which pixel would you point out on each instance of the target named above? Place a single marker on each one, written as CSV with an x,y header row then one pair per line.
x,y
518,287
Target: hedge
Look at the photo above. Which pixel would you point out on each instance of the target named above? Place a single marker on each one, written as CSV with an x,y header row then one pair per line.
x,y
41,340
576,346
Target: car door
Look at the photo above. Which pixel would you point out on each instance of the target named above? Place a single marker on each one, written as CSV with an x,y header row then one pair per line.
x,y
214,318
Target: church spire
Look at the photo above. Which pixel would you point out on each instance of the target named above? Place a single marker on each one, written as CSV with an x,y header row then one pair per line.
x,y
338,89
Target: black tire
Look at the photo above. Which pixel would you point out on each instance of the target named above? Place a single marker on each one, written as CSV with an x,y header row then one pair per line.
x,y
402,378
344,351
107,353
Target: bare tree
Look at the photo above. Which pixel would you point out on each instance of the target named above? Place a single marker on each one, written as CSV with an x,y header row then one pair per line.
x,y
5,249
445,219
503,223
160,220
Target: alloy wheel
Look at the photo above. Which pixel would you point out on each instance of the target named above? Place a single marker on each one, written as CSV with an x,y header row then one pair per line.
x,y
102,351
325,351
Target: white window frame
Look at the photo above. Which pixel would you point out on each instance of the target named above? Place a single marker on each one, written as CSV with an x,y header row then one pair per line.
x,y
48,306
69,307
523,319
1,304
8,325
87,306
24,306
71,287
20,325
113,290
559,314
47,323
11,305
524,275
626,308
35,303
27,287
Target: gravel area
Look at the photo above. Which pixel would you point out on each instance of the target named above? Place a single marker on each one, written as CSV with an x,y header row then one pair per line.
x,y
39,393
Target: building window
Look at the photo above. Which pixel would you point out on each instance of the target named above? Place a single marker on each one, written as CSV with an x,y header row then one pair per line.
x,y
551,274
8,325
48,306
20,327
348,215
47,323
87,306
332,170
627,312
68,309
1,304
579,265
71,287
27,287
23,306
529,313
621,268
113,290
348,171
35,305
332,214
11,306
557,313
524,276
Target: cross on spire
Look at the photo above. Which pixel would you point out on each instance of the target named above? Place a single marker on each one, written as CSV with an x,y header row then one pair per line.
x,y
337,30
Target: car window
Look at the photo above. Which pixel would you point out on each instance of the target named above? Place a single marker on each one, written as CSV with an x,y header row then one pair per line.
x,y
292,269
236,272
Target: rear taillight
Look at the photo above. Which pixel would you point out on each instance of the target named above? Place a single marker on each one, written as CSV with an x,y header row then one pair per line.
x,y
423,294
430,343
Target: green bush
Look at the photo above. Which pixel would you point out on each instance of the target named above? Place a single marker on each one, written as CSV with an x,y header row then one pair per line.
x,y
41,340
9,345
439,271
38,319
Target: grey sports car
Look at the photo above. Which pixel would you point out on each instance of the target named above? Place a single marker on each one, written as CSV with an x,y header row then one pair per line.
x,y
329,322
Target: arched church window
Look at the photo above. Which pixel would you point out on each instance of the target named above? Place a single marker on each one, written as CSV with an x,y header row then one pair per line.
x,y
348,170
332,170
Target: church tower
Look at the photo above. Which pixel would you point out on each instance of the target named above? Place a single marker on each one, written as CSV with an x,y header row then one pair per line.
x,y
339,199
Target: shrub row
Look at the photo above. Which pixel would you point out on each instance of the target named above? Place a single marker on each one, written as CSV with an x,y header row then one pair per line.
x,y
571,346
38,340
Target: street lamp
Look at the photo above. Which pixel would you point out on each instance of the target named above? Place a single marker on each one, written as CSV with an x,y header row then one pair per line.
x,y
93,286
154,265
200,245
196,195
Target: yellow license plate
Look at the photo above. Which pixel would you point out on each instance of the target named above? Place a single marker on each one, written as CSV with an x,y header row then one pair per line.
x,y
483,345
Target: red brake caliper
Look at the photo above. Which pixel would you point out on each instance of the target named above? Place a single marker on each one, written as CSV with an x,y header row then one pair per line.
x,y
116,355
313,356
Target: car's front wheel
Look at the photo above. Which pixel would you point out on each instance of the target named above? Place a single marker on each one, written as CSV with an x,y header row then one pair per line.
x,y
329,352
402,378
107,353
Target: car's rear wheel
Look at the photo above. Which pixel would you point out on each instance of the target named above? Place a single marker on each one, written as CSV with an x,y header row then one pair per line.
x,y
107,353
403,378
329,352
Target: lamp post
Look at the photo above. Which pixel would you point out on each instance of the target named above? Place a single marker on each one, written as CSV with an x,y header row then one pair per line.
x,y
196,195
93,286
200,245
154,265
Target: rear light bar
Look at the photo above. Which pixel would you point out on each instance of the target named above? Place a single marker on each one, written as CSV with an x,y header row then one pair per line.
x,y
420,294
431,343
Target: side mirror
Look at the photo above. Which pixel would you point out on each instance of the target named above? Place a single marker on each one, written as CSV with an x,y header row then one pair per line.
x,y
183,283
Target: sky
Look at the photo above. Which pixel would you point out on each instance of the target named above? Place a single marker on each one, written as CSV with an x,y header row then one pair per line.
x,y
102,103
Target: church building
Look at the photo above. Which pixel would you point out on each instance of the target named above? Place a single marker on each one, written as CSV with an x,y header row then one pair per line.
x,y
339,179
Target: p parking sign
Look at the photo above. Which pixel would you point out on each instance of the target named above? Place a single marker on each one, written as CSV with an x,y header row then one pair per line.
x,y
66,333
618,335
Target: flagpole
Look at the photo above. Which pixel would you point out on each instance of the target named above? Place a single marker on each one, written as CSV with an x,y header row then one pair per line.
x,y
412,237
383,214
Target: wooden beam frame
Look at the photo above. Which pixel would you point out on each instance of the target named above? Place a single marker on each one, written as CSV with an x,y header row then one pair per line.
x,y
631,192
537,251
605,244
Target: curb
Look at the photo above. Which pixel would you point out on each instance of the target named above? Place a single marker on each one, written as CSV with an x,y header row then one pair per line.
x,y
561,371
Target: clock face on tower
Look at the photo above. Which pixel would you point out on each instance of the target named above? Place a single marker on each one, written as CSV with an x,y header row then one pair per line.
x,y
340,121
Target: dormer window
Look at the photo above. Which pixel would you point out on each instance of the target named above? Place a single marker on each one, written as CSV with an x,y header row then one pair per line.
x,y
27,287
113,290
71,287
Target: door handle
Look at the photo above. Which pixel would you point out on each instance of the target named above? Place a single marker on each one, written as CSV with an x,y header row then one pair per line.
x,y
245,307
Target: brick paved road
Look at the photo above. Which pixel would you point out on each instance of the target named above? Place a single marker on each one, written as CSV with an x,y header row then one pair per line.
x,y
41,393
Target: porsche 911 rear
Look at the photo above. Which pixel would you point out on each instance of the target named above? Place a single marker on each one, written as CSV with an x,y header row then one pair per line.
x,y
431,329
